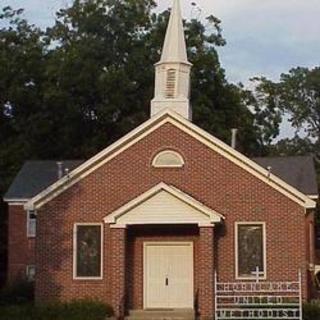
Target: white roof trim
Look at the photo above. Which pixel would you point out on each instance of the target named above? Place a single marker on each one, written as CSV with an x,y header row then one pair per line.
x,y
212,215
15,200
168,116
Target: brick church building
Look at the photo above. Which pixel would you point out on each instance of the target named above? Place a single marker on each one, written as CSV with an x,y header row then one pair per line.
x,y
146,223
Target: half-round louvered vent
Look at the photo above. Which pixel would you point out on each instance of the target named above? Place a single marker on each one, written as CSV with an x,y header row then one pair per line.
x,y
167,159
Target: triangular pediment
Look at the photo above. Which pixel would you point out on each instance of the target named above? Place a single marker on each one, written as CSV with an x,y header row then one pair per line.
x,y
163,204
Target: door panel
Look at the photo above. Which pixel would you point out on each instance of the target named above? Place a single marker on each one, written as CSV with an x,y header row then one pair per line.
x,y
156,268
180,272
168,275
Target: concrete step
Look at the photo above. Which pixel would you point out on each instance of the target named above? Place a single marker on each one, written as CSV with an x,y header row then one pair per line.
x,y
173,314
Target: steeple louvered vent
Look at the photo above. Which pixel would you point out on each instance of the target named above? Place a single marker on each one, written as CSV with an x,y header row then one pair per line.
x,y
171,84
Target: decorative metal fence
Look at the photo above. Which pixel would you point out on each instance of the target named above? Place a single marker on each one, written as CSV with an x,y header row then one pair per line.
x,y
258,300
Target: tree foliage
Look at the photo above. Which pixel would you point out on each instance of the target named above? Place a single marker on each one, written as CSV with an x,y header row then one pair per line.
x,y
70,91
296,95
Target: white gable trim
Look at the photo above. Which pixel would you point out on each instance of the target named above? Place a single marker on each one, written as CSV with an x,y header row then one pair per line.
x,y
168,116
198,213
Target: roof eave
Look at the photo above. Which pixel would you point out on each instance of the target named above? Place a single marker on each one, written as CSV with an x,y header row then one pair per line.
x,y
22,200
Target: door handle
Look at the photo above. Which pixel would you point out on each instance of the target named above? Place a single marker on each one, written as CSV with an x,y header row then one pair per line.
x,y
167,281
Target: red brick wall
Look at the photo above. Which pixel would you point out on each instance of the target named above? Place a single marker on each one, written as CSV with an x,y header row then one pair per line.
x,y
207,176
206,272
20,247
117,270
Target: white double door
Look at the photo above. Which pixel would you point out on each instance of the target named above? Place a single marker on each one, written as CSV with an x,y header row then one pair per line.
x,y
168,275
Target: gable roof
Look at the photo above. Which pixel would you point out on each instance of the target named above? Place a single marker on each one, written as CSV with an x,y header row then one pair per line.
x,y
168,116
34,177
298,171
180,208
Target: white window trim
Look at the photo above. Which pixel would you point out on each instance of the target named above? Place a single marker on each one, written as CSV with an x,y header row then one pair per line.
x,y
29,266
29,233
264,232
175,153
75,226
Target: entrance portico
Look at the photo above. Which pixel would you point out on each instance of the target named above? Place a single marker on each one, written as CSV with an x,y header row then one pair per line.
x,y
168,257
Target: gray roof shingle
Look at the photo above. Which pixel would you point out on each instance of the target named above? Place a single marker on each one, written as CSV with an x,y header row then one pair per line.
x,y
297,171
36,176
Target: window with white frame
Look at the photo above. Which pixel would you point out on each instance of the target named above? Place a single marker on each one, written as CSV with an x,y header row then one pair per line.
x,y
250,250
31,223
87,258
31,272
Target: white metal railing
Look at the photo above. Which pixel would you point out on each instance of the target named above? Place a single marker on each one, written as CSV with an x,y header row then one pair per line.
x,y
258,300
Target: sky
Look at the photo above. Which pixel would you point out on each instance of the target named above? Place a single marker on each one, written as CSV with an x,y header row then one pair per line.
x,y
264,37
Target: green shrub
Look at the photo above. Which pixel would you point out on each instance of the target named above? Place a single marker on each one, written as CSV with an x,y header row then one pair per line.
x,y
17,293
75,310
311,311
23,312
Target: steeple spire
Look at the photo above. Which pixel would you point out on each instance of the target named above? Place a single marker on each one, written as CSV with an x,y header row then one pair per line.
x,y
174,49
173,70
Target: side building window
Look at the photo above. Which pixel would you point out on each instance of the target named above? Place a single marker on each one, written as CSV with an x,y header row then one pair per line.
x,y
31,273
87,257
31,223
250,250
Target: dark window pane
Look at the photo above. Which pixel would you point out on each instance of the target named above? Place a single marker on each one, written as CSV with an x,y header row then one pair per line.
x,y
250,249
88,251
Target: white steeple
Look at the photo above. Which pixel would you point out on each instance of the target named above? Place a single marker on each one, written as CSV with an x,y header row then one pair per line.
x,y
172,83
174,48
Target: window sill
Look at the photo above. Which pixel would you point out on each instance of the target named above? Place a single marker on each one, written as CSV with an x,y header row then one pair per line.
x,y
252,278
87,278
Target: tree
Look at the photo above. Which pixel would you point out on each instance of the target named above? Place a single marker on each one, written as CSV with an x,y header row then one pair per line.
x,y
21,69
106,51
88,80
296,95
72,90
296,146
